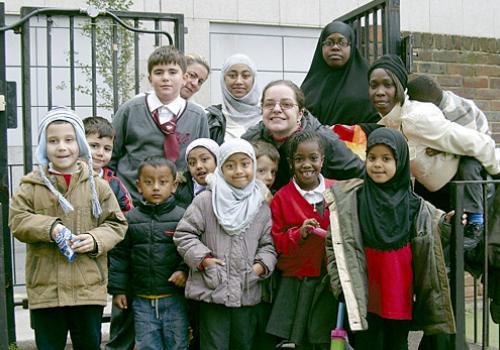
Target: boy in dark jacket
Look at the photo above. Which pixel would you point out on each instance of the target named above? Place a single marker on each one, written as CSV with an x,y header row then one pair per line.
x,y
147,261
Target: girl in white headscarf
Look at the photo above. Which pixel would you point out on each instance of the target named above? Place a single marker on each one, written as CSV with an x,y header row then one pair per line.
x,y
240,100
225,239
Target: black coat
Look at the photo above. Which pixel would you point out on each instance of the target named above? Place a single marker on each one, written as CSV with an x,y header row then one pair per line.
x,y
147,257
216,123
184,194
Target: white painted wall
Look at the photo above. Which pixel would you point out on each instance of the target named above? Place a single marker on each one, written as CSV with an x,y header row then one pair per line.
x,y
461,17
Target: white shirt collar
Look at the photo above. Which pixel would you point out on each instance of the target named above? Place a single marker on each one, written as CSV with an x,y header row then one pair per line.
x,y
176,106
315,195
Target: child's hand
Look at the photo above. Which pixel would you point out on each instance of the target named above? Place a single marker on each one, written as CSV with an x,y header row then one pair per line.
x,y
307,226
178,278
212,261
268,197
120,300
57,228
448,216
83,243
258,269
180,178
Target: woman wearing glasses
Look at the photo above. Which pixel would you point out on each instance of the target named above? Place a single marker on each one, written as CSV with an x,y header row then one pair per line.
x,y
335,87
283,114
240,100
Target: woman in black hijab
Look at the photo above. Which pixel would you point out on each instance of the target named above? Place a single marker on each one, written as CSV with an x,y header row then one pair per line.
x,y
335,87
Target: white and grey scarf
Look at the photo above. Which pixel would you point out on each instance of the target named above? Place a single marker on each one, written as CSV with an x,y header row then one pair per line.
x,y
235,208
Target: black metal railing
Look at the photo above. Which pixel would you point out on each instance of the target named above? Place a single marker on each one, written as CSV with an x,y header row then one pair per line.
x,y
136,22
481,299
377,28
4,334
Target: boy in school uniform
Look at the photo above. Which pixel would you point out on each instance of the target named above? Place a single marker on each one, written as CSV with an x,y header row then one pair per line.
x,y
157,123
60,208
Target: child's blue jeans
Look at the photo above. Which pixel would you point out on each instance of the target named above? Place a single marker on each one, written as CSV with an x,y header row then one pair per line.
x,y
161,323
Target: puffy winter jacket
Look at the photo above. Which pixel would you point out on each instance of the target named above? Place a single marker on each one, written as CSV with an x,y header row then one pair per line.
x,y
147,257
235,284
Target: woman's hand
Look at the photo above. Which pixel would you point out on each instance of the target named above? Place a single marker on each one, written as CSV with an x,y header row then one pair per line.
x,y
307,226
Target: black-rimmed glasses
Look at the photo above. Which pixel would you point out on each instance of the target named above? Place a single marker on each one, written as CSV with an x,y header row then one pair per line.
x,y
341,43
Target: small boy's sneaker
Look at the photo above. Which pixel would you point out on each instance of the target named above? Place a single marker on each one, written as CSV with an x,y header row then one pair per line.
x,y
473,234
285,344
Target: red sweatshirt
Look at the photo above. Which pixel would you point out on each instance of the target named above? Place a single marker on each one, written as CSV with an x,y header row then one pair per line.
x,y
297,257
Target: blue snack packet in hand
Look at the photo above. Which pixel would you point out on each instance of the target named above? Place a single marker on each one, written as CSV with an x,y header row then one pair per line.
x,y
62,240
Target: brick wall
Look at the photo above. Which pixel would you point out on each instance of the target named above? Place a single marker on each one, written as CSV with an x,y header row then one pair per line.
x,y
468,66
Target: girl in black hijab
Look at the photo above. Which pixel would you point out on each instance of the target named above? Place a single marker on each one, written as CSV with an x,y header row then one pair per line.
x,y
335,87
387,209
385,254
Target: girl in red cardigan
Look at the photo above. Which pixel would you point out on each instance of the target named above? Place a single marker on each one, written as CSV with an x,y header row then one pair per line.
x,y
300,218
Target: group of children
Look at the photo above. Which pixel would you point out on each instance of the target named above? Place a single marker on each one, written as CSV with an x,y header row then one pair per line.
x,y
213,232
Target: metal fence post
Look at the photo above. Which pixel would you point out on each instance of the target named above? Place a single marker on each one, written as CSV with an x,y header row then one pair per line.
x,y
394,29
7,324
4,323
457,267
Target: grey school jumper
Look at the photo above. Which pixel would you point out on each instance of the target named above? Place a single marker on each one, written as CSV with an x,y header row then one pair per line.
x,y
138,137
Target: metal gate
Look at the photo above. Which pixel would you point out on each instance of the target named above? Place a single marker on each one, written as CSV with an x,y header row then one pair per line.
x,y
65,47
377,29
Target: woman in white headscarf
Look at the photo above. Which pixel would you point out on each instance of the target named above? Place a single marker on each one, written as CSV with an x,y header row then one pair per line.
x,y
240,108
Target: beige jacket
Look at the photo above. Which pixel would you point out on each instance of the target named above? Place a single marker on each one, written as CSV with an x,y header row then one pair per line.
x,y
51,280
424,125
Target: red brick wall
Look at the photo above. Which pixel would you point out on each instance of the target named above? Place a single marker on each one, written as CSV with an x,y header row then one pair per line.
x,y
468,66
